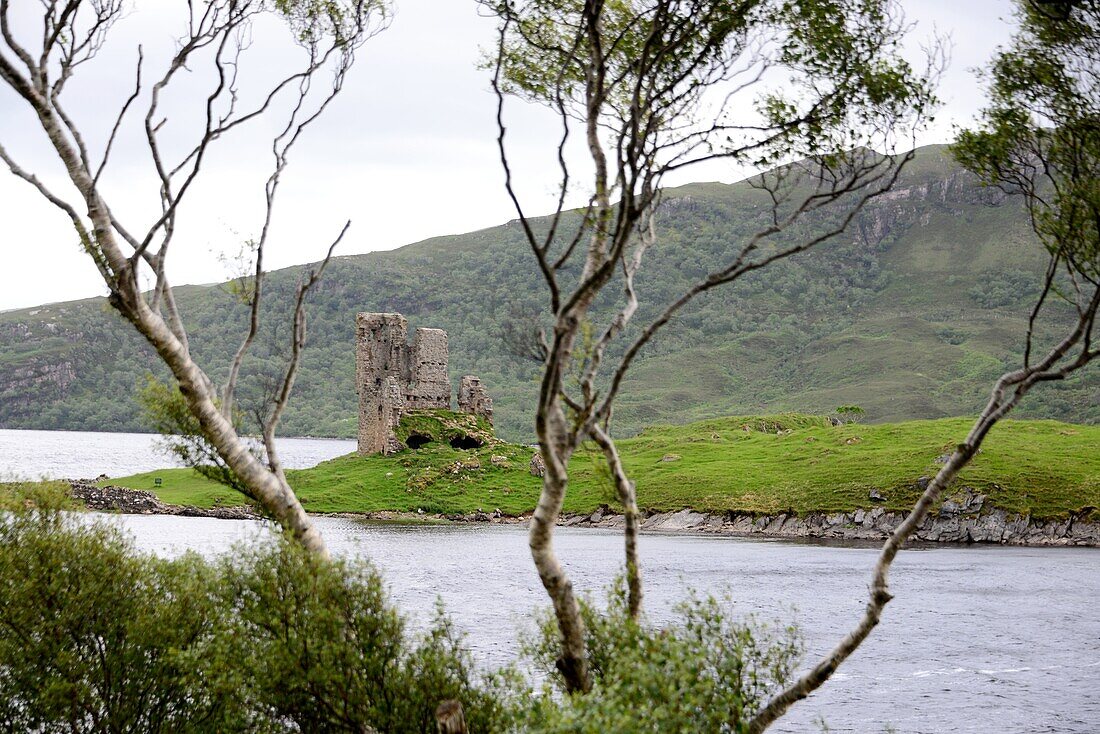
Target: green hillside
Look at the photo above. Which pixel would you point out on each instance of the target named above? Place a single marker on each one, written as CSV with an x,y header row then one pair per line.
x,y
910,315
757,464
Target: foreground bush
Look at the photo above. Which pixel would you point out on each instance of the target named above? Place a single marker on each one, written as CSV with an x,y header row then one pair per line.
x,y
319,646
96,637
700,673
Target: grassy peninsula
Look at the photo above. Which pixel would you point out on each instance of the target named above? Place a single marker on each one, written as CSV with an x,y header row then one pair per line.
x,y
754,464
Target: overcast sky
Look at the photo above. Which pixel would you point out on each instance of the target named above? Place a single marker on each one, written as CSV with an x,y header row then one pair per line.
x,y
407,151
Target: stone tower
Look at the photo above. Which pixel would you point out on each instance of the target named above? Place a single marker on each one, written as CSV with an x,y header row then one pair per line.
x,y
393,377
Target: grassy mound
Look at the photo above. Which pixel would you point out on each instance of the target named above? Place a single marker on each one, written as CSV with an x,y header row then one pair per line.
x,y
758,464
459,430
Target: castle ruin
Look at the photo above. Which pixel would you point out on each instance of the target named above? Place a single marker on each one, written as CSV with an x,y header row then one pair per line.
x,y
393,378
472,398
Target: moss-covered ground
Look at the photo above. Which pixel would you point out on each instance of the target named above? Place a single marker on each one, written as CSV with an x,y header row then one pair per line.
x,y
749,464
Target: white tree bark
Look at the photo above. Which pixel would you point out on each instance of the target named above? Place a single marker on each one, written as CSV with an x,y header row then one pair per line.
x,y
636,80
216,35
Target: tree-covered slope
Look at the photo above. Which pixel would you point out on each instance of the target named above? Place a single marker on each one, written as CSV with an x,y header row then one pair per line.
x,y
910,314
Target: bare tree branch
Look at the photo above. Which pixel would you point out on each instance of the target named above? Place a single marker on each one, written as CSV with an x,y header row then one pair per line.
x,y
217,31
297,344
641,80
1007,393
1055,168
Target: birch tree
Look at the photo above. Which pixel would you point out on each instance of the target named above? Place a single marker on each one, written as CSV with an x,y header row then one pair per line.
x,y
813,93
42,57
1039,140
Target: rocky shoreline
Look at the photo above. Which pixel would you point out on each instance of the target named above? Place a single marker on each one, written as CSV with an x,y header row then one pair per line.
x,y
140,502
962,518
993,527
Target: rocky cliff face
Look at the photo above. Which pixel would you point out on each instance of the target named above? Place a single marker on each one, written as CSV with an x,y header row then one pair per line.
x,y
42,376
37,371
23,387
906,206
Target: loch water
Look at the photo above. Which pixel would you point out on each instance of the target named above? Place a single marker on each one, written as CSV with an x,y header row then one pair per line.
x,y
978,639
982,639
88,454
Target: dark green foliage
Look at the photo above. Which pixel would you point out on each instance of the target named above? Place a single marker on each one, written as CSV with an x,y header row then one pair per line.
x,y
320,633
850,413
700,673
1039,137
328,653
997,290
95,637
951,335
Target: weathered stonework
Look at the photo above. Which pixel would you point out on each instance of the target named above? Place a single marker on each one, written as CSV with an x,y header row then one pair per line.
x,y
473,399
393,378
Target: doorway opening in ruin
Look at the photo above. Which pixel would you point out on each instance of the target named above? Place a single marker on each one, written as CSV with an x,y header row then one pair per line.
x,y
466,442
416,440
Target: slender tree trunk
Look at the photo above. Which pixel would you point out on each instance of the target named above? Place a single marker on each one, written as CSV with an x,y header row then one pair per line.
x,y
628,498
879,597
273,494
1006,394
126,297
573,662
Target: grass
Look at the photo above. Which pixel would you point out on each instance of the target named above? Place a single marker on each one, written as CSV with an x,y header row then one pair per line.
x,y
756,464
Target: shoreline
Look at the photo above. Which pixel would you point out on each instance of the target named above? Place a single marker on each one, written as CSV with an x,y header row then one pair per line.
x,y
963,522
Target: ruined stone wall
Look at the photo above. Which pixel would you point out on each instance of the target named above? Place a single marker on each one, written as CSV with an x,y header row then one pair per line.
x,y
381,375
381,346
429,383
473,399
393,377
